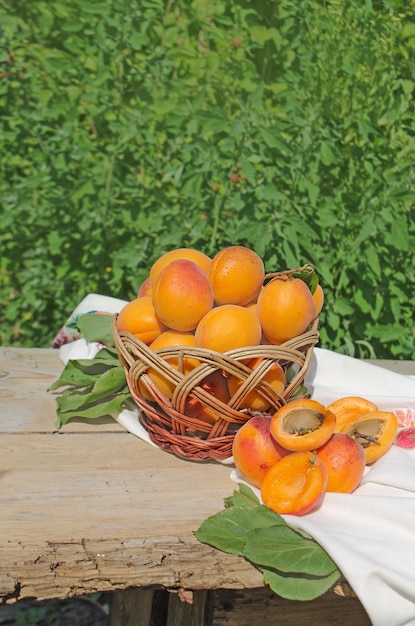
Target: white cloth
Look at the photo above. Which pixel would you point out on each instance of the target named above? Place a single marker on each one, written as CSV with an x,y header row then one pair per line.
x,y
370,534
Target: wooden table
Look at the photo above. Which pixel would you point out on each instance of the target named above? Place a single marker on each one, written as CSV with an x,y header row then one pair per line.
x,y
92,508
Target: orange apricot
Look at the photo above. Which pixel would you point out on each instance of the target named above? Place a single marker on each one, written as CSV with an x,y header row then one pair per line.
x,y
228,327
255,451
376,431
139,318
318,297
190,254
345,462
236,274
274,377
302,424
170,339
145,288
215,384
296,485
285,309
182,295
348,408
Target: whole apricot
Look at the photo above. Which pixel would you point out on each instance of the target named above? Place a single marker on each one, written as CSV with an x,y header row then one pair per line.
x,y
296,485
274,377
285,309
170,339
228,327
145,288
139,318
215,385
182,295
255,451
318,297
236,274
190,254
345,462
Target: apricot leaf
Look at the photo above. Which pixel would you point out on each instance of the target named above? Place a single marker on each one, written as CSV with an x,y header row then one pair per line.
x,y
95,327
244,498
293,565
93,388
228,529
286,550
299,586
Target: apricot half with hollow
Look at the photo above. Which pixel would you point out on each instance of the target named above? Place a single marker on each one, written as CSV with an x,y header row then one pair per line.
x,y
302,424
296,485
376,431
349,408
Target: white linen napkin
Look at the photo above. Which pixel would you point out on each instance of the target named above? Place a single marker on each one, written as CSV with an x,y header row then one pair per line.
x,y
370,534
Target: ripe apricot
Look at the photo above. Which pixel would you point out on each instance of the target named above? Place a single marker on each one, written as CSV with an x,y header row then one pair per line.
x,y
349,408
167,339
274,377
145,288
296,485
318,297
201,259
215,384
255,451
182,295
302,424
345,462
376,431
236,274
139,318
228,327
285,309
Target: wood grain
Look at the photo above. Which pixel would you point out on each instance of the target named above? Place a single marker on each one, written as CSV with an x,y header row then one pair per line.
x,y
92,508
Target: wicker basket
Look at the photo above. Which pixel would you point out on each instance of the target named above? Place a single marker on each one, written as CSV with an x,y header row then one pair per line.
x,y
196,439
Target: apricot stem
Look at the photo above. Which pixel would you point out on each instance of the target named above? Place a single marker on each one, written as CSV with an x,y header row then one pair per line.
x,y
313,456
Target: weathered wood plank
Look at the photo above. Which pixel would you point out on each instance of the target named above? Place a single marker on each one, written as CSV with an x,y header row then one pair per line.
x,y
87,512
93,508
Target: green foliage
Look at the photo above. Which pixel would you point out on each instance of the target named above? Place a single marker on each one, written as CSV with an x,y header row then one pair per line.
x,y
130,128
293,565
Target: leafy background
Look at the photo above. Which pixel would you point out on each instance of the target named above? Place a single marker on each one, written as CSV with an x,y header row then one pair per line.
x,y
128,128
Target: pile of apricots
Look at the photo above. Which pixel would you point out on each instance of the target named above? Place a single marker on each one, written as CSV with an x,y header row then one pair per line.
x,y
219,303
307,449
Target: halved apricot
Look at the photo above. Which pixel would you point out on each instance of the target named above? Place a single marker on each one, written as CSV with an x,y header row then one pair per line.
x,y
302,424
376,431
296,485
350,407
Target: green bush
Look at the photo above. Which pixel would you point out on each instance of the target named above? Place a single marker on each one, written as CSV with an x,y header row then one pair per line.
x,y
130,128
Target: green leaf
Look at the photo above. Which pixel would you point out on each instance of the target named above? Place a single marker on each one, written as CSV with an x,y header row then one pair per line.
x,y
283,549
95,327
111,381
299,586
245,497
110,407
228,529
85,372
293,564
